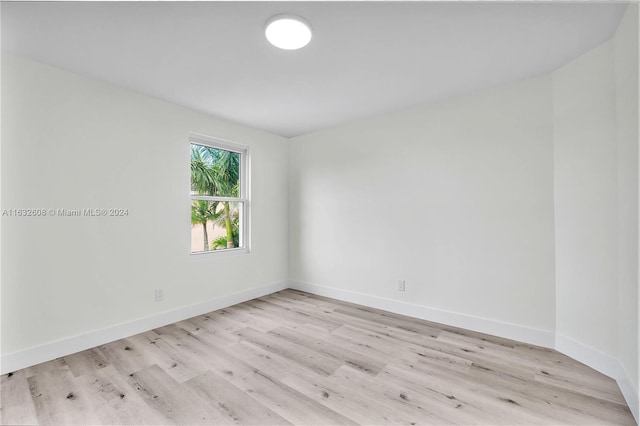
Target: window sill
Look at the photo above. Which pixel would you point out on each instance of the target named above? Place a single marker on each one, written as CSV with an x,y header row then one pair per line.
x,y
225,252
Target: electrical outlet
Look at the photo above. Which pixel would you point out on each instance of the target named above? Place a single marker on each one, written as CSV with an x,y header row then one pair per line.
x,y
159,295
400,285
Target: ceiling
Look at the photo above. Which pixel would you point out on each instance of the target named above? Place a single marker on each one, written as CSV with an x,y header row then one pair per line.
x,y
365,58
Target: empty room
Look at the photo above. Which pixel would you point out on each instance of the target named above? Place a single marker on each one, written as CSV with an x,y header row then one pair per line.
x,y
319,213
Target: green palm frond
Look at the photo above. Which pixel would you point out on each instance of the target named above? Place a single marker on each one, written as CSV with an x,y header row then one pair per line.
x,y
216,172
204,211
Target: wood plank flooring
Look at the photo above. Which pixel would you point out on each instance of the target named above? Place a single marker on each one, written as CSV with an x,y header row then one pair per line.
x,y
296,358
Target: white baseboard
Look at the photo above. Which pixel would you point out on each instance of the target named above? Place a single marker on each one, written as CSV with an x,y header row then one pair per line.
x,y
606,365
52,350
483,325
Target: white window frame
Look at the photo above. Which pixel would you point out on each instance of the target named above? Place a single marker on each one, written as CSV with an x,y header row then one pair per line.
x,y
244,237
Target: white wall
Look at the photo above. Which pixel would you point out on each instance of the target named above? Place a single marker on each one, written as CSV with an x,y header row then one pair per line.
x,y
596,200
455,198
585,199
626,59
71,142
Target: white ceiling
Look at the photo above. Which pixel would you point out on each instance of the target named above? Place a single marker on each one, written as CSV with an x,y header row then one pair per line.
x,y
364,59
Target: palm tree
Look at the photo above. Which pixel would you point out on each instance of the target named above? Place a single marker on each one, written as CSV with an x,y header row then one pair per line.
x,y
201,213
216,172
227,177
202,174
224,241
219,243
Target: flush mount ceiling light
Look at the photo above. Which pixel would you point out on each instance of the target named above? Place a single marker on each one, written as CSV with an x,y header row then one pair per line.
x,y
288,32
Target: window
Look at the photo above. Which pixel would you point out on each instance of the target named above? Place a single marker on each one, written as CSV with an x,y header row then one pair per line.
x,y
219,202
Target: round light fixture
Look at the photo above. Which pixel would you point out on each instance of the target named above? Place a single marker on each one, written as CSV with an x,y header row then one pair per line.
x,y
288,32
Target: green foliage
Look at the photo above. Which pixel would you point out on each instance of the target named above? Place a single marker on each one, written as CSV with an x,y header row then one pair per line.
x,y
201,213
216,172
220,243
202,175
204,211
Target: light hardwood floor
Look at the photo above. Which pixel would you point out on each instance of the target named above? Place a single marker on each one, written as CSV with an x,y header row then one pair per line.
x,y
296,358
